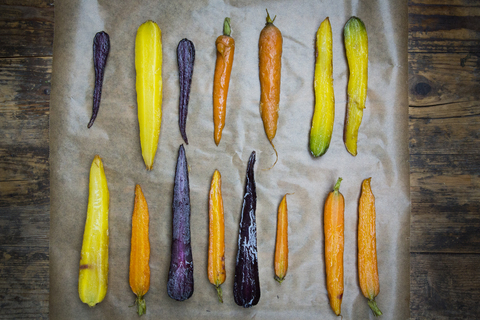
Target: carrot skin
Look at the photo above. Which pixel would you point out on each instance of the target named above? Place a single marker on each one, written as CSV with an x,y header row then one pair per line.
x,y
270,67
223,68
367,247
334,246
139,277
185,61
101,48
281,246
180,275
216,238
246,285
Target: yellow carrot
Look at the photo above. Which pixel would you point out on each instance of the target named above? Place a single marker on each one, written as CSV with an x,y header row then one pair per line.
x,y
356,47
148,66
93,274
322,122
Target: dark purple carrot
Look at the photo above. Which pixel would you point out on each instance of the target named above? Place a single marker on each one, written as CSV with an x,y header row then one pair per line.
x,y
101,47
180,275
185,60
246,286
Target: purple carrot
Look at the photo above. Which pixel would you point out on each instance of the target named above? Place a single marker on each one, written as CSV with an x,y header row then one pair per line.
x,y
246,286
185,60
101,47
180,275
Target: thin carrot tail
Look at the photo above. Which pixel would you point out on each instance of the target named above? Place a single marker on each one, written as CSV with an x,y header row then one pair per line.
x,y
276,155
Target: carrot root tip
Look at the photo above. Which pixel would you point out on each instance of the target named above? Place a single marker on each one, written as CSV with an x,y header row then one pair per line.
x,y
373,305
276,157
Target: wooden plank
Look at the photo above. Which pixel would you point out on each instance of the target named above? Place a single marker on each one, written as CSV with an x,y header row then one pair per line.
x,y
442,78
443,26
25,226
445,136
444,286
26,31
445,195
24,149
24,284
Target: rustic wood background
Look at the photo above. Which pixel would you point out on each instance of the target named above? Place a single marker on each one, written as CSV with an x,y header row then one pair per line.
x,y
444,127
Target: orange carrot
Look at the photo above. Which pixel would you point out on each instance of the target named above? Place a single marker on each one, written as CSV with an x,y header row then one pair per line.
x,y
216,238
333,227
367,247
281,246
140,251
270,67
223,67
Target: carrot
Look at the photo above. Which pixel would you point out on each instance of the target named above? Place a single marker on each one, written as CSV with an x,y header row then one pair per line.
x,y
367,247
149,84
333,227
93,273
270,65
216,239
281,246
140,251
223,67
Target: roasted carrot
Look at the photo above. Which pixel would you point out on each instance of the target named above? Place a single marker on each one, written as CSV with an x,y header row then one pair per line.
x,y
148,66
140,251
270,67
281,246
93,273
324,115
223,67
216,238
356,47
367,247
333,227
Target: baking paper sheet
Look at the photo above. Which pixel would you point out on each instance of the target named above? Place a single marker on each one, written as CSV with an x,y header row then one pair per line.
x,y
382,155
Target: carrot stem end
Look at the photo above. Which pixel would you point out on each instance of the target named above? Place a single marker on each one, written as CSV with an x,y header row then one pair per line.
x,y
373,305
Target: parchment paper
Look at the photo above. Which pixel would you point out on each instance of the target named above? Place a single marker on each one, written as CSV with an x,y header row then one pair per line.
x,y
382,155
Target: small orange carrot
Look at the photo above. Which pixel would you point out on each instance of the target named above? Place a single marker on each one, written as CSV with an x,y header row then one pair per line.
x,y
216,238
333,227
140,251
223,67
367,247
281,246
270,67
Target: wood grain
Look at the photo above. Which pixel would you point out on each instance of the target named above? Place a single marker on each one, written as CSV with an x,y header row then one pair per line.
x,y
26,31
445,286
443,26
26,38
444,122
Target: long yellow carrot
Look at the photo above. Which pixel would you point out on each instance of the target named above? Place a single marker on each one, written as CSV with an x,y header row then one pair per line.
x,y
322,121
148,65
93,274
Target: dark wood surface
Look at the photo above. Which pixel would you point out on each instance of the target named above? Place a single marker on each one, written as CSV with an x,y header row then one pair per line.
x,y
444,128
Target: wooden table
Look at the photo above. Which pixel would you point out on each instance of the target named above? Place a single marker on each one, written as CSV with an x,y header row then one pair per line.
x,y
444,127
